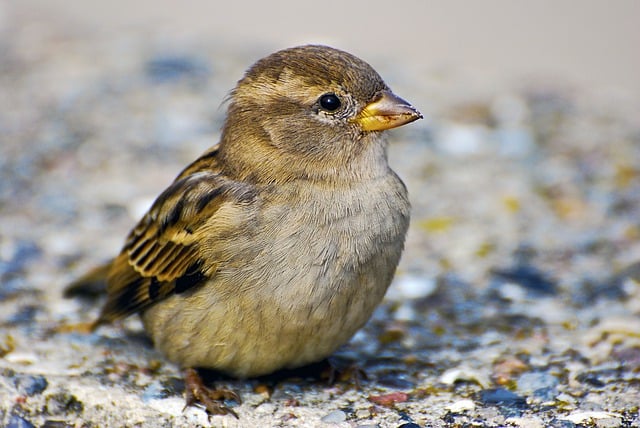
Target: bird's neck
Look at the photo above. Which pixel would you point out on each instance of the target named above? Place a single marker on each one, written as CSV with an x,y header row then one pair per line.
x,y
247,156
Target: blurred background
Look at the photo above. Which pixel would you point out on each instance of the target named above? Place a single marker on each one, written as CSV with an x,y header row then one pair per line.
x,y
585,41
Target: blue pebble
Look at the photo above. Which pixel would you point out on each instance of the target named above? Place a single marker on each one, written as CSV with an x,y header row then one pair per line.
x,y
30,385
19,422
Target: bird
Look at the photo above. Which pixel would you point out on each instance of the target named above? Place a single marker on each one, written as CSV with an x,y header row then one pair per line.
x,y
275,246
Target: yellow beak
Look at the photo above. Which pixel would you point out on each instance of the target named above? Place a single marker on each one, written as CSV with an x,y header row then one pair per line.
x,y
385,112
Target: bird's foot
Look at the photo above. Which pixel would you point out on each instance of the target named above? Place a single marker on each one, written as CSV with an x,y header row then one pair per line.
x,y
352,374
197,393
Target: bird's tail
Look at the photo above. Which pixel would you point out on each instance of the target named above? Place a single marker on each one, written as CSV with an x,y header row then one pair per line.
x,y
91,285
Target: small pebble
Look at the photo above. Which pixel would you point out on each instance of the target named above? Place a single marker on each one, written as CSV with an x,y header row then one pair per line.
x,y
363,413
395,380
461,374
24,315
405,312
501,396
525,422
594,417
12,286
30,385
528,277
19,422
461,406
55,424
545,394
409,425
26,358
389,399
411,287
609,423
540,384
561,423
15,256
334,417
591,379
63,403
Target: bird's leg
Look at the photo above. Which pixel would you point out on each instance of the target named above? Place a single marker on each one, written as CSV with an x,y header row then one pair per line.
x,y
197,393
351,373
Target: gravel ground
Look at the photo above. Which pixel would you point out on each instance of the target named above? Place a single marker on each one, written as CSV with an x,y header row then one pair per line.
x,y
516,302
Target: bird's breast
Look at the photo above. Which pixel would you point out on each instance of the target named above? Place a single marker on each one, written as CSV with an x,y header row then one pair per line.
x,y
299,283
333,243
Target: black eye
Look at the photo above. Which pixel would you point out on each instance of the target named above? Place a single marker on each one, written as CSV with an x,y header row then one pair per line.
x,y
330,102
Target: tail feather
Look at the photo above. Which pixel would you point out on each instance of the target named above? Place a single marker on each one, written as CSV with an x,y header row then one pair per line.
x,y
91,285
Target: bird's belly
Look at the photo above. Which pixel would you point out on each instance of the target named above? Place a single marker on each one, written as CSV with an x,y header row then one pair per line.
x,y
305,290
259,331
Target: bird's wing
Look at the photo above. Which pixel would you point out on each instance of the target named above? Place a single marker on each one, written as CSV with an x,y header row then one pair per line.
x,y
163,254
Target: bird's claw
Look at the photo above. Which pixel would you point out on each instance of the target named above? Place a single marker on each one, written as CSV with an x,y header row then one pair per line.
x,y
351,374
198,394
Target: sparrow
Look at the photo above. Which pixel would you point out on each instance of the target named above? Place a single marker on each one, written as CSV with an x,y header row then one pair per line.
x,y
274,247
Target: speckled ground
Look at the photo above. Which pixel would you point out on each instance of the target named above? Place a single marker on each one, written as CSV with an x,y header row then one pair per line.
x,y
516,303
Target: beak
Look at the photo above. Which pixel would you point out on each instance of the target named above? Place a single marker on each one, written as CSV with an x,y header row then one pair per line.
x,y
386,111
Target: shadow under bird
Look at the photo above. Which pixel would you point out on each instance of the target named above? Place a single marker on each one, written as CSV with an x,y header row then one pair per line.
x,y
274,247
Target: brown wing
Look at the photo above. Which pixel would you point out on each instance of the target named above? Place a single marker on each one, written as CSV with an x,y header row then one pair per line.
x,y
162,255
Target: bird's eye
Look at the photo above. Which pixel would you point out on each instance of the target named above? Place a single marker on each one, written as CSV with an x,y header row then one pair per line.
x,y
330,102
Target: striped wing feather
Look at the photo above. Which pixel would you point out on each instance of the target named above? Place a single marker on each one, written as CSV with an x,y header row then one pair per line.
x,y
161,256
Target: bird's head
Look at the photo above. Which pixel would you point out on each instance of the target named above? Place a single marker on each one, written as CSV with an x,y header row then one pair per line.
x,y
312,110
